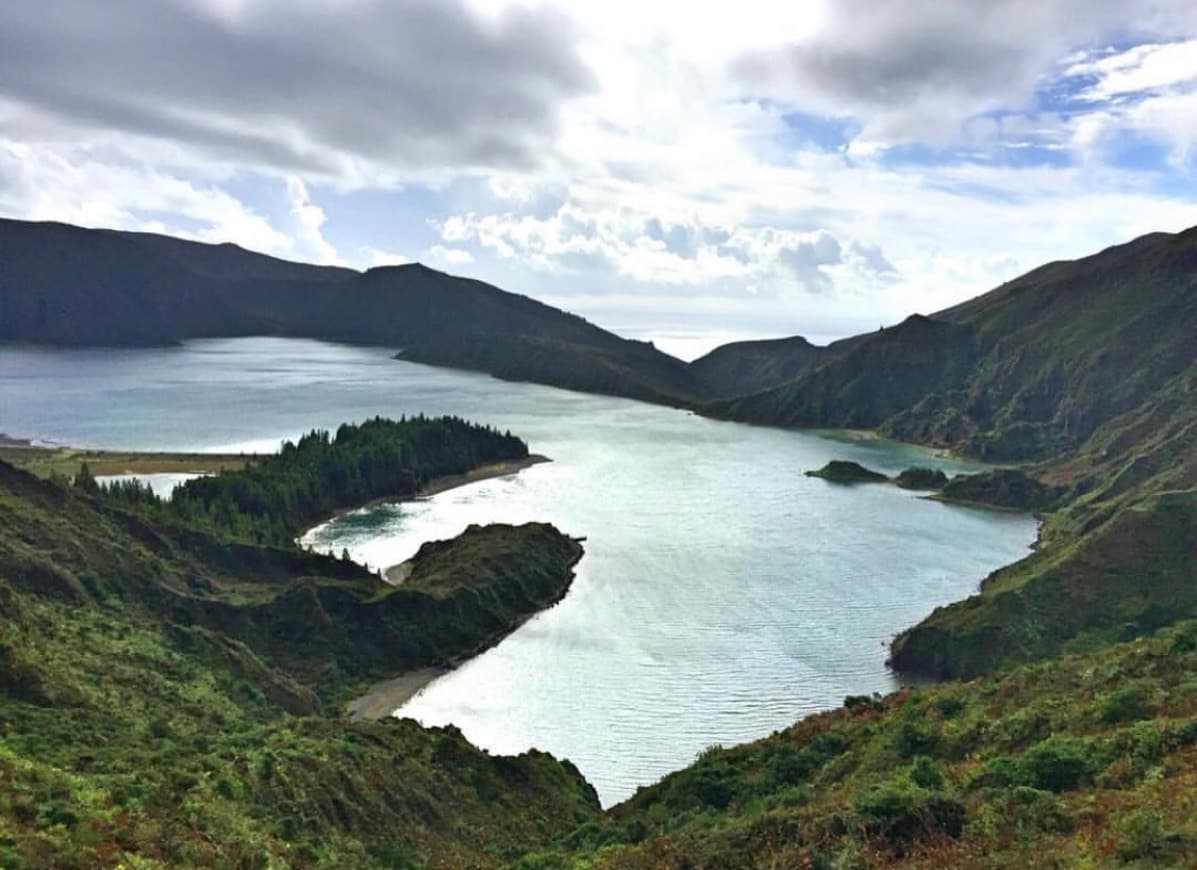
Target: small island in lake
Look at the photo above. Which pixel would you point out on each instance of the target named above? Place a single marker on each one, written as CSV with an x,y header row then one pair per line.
x,y
843,471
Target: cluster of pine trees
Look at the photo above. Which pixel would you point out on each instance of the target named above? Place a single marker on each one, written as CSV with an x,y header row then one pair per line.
x,y
273,499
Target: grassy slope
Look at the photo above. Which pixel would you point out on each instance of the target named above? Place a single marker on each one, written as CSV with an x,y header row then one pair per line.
x,y
1029,371
876,379
1118,555
1082,761
162,697
1089,367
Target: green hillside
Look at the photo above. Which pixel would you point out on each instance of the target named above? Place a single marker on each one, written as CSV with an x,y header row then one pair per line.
x,y
168,699
1027,372
1083,761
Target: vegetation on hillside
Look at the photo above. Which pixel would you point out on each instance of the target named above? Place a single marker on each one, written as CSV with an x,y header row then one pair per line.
x,y
1084,761
1029,371
277,496
169,699
635,370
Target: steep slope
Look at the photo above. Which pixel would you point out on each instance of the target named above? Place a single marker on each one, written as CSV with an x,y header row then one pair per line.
x,y
1028,371
65,285
1117,559
168,699
882,375
1084,761
460,323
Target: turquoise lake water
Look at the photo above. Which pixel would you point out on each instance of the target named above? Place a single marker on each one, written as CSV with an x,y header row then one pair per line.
x,y
722,596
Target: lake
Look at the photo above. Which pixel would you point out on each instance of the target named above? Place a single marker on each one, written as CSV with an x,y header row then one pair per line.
x,y
723,594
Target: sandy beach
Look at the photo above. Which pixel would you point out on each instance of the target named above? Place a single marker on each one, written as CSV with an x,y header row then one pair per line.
x,y
482,472
386,697
396,574
442,484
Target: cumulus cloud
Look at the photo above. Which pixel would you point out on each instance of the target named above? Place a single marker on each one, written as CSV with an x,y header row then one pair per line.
x,y
917,69
611,245
74,185
1141,68
727,164
309,218
341,90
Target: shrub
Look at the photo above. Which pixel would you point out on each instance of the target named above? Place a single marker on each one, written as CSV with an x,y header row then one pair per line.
x,y
1033,809
1141,835
789,766
711,785
925,774
949,706
911,738
1001,771
863,702
1127,704
899,812
1056,764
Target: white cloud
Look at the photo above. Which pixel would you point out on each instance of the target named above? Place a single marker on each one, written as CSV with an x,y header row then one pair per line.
x,y
1150,67
451,256
376,257
656,167
309,217
76,185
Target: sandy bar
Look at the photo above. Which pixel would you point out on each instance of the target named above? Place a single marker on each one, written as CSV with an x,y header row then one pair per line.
x,y
438,485
388,696
482,472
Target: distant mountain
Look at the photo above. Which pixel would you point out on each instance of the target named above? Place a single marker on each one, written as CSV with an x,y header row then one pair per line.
x,y
66,285
631,369
1028,371
750,366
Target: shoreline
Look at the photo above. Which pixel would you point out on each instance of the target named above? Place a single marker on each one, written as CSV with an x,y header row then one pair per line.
x,y
436,486
385,697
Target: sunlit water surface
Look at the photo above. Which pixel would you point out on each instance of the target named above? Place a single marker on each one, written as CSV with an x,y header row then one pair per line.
x,y
722,596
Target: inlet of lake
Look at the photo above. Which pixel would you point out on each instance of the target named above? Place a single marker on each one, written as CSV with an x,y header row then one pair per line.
x,y
723,594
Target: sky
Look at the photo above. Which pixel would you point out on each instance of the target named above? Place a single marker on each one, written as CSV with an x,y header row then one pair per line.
x,y
689,172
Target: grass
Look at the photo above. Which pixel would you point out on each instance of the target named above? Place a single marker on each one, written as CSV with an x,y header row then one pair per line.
x,y
1082,761
67,461
168,699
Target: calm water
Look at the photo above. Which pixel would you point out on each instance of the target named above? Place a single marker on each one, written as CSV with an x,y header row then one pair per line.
x,y
723,594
